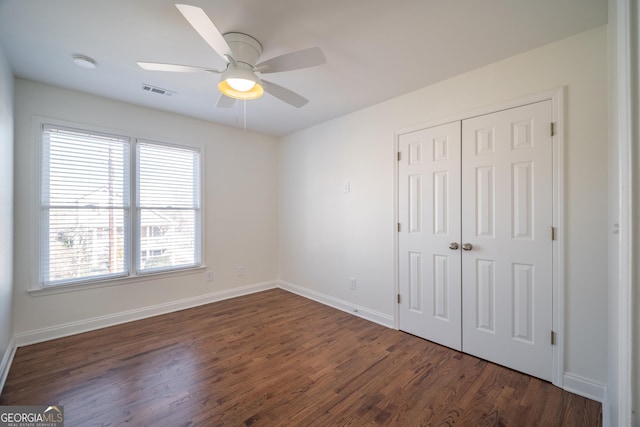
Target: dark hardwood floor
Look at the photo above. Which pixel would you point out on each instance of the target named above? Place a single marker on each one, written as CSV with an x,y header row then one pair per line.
x,y
277,359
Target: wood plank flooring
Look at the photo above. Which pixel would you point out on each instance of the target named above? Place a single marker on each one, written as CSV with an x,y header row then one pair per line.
x,y
277,359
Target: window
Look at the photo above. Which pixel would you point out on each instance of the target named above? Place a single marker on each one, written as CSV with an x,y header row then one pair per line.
x,y
88,229
168,206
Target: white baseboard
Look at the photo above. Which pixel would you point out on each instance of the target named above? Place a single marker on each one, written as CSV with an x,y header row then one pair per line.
x,y
606,409
356,310
7,359
72,328
585,387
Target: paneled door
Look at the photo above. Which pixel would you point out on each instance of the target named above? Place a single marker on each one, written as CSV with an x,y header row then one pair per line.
x,y
429,205
507,194
475,247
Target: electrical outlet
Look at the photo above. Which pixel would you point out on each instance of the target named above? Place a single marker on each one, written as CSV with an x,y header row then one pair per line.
x,y
240,270
209,276
346,187
352,283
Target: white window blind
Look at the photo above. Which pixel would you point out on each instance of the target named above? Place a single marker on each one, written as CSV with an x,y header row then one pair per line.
x,y
88,231
85,205
167,207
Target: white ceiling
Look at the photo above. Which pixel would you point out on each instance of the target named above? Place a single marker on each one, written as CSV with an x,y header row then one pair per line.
x,y
376,49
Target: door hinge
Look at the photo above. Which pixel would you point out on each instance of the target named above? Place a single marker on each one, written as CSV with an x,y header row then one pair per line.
x,y
398,298
553,129
399,156
553,338
399,227
553,233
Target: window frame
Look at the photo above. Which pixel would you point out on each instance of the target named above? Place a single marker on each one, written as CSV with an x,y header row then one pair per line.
x,y
36,286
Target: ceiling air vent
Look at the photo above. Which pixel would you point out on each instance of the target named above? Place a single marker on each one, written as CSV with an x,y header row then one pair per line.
x,y
155,89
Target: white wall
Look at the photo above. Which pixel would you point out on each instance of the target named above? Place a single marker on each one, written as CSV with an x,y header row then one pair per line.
x,y
6,207
327,235
240,205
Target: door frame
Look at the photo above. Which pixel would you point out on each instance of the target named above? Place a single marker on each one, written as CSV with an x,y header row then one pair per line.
x,y
556,96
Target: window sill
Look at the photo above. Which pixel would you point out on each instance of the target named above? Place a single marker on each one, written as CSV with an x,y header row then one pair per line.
x,y
51,290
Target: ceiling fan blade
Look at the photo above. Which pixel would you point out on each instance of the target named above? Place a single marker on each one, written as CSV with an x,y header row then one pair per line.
x,y
284,94
293,61
225,102
156,66
207,30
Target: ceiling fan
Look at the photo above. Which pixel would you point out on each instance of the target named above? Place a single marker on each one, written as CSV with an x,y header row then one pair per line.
x,y
239,80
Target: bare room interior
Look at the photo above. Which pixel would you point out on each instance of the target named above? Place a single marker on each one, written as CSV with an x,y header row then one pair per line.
x,y
320,213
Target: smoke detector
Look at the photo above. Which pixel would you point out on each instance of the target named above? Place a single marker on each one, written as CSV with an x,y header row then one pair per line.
x,y
84,62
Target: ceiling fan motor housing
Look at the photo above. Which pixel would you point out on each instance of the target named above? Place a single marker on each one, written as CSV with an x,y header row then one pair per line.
x,y
245,48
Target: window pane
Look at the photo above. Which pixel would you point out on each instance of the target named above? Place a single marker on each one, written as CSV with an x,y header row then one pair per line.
x,y
167,239
168,207
84,199
168,176
85,243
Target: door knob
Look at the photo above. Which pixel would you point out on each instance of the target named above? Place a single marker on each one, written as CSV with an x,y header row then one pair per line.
x,y
453,246
467,246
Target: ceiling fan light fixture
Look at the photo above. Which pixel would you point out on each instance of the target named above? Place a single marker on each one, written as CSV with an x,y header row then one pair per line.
x,y
225,88
240,82
241,85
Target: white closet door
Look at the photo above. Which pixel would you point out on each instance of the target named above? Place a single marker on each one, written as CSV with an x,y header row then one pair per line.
x,y
429,212
506,223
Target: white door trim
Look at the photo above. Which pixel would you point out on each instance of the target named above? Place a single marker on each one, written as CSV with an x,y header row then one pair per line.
x,y
557,100
625,20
